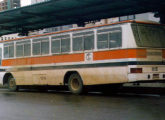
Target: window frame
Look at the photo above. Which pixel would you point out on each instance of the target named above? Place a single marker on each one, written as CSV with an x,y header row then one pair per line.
x,y
60,37
83,39
109,32
40,40
69,44
16,50
52,47
41,47
8,45
23,42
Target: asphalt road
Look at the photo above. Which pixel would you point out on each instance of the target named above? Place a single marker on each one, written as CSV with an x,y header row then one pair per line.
x,y
31,105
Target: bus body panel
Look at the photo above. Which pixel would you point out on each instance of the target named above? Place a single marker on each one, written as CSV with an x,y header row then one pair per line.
x,y
90,76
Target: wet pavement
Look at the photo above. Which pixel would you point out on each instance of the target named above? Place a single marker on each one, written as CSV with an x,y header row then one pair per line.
x,y
30,105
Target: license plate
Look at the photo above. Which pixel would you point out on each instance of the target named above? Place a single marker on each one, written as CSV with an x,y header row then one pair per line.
x,y
155,76
154,68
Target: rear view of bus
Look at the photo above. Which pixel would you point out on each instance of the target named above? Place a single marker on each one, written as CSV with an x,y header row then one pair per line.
x,y
150,66
125,52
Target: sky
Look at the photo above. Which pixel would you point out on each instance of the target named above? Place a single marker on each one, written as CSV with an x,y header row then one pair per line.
x,y
25,2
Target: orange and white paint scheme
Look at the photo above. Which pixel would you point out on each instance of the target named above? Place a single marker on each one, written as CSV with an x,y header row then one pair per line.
x,y
123,52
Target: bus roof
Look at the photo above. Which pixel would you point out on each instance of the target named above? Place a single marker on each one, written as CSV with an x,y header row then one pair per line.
x,y
122,22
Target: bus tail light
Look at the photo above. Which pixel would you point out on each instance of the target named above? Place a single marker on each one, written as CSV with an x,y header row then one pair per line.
x,y
136,70
163,53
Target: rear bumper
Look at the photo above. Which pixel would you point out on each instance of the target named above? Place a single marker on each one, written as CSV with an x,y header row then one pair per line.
x,y
146,77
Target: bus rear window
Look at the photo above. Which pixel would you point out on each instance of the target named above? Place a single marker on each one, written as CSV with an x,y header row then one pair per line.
x,y
149,35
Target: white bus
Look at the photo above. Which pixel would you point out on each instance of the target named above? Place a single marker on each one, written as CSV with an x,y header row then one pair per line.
x,y
124,52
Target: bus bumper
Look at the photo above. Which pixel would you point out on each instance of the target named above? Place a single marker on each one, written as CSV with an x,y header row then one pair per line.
x,y
146,77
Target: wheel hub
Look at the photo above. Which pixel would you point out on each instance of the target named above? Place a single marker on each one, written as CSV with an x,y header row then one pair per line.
x,y
75,84
12,83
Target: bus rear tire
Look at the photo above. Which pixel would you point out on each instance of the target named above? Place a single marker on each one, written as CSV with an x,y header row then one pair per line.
x,y
12,84
75,84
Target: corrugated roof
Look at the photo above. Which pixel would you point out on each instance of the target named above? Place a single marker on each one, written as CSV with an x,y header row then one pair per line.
x,y
63,12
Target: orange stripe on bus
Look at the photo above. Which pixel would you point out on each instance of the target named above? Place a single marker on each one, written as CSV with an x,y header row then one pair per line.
x,y
101,55
44,60
120,54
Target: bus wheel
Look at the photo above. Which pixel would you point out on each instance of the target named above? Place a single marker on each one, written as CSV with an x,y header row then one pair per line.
x,y
75,84
12,84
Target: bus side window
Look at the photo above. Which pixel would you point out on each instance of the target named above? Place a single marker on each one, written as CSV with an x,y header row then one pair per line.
x,y
60,44
89,41
78,44
9,50
109,38
45,46
115,40
36,47
65,45
19,50
83,41
102,41
41,46
23,48
27,49
56,46
6,52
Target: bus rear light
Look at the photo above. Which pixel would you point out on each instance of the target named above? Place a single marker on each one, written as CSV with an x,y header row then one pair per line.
x,y
136,70
163,53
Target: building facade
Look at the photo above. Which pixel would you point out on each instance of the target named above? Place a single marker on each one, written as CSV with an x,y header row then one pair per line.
x,y
13,4
9,4
3,5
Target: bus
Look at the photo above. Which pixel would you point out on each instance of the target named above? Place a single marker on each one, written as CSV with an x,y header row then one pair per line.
x,y
111,54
